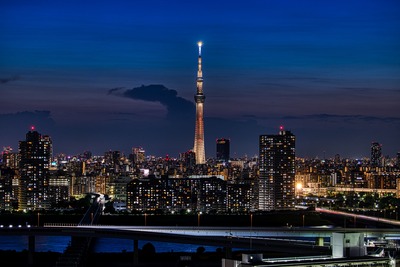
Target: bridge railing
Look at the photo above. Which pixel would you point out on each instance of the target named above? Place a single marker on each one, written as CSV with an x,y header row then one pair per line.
x,y
60,224
75,225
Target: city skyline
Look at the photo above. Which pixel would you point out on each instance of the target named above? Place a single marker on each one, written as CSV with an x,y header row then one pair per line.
x,y
102,76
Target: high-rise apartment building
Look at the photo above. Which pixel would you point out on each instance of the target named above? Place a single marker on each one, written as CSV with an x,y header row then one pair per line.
x,y
277,171
9,158
138,155
199,98
398,160
223,149
35,158
206,194
59,187
8,194
376,154
189,158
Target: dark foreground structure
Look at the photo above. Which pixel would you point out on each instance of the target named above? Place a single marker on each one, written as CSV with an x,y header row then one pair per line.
x,y
173,259
147,256
203,259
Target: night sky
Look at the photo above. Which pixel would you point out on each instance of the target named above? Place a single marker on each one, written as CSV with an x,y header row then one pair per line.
x,y
112,75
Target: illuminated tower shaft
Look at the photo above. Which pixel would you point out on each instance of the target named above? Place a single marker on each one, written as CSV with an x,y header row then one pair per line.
x,y
199,130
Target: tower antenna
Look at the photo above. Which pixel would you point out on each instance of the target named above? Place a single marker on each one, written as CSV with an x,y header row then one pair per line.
x,y
200,43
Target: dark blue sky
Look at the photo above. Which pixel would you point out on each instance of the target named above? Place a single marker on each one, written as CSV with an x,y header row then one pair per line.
x,y
112,75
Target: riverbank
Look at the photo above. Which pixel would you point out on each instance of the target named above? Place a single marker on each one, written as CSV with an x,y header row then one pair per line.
x,y
174,259
268,219
48,259
12,258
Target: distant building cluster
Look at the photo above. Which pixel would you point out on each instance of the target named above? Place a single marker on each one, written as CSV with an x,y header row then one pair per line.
x,y
35,179
184,195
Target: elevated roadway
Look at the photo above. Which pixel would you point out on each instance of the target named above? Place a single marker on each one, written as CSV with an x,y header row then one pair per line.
x,y
305,241
221,237
279,239
389,222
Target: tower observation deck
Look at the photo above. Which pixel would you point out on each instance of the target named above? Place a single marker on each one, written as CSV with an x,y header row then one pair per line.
x,y
199,98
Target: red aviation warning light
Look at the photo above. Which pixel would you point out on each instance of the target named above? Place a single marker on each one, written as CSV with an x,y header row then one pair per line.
x,y
32,128
281,128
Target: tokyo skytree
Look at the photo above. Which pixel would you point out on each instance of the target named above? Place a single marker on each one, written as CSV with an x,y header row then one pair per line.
x,y
199,98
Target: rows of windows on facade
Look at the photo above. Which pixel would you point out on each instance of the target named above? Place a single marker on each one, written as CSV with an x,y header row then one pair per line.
x,y
35,179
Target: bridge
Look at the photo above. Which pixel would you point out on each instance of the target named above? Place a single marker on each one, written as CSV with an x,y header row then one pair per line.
x,y
277,239
305,241
271,239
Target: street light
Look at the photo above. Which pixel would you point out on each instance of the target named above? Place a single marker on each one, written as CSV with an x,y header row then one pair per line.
x,y
198,218
299,187
251,231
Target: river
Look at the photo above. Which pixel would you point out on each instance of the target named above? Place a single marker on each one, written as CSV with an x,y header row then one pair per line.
x,y
59,243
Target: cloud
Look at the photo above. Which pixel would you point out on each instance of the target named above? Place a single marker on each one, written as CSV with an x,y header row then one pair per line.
x,y
7,80
177,106
114,90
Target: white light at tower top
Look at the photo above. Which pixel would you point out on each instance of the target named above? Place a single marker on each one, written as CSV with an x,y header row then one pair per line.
x,y
200,43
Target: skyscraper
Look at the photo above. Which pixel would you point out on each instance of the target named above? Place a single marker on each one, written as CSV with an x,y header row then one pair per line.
x,y
35,154
277,171
138,155
9,158
199,98
376,153
223,149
